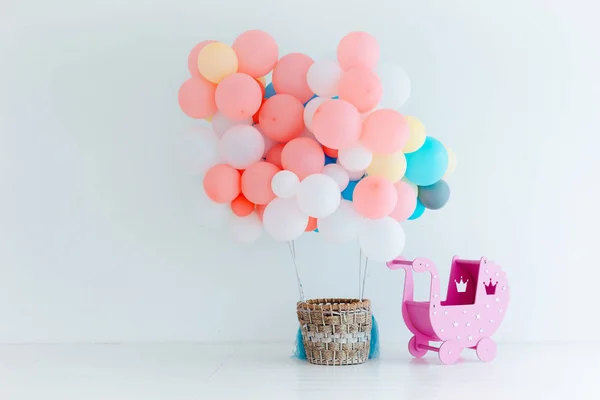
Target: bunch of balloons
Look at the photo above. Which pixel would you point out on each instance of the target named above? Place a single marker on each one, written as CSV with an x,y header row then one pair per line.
x,y
321,148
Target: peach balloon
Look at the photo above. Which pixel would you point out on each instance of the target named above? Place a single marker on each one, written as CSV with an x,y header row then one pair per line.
x,y
216,61
193,58
222,183
374,197
274,155
281,117
241,206
337,124
361,87
238,96
256,182
312,224
333,153
407,201
385,131
358,49
257,53
289,76
197,98
303,156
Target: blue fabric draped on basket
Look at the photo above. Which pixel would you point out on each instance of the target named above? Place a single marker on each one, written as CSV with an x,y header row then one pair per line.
x,y
300,353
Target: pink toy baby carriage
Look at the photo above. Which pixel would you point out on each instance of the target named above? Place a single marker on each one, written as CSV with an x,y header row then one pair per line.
x,y
475,306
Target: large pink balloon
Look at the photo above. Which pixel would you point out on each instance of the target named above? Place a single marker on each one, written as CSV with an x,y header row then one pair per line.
x,y
256,182
358,49
257,53
337,124
193,58
385,131
289,76
238,96
361,87
197,98
281,117
222,183
407,201
303,156
375,197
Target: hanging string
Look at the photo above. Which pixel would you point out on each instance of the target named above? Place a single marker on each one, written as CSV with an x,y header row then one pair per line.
x,y
359,270
362,293
292,247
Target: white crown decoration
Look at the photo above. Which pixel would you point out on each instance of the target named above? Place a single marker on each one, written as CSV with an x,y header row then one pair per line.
x,y
461,286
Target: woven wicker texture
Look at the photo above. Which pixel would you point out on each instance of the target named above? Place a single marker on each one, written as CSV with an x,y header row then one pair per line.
x,y
335,331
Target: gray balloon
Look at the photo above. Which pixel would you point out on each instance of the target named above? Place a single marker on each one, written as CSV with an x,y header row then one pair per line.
x,y
434,196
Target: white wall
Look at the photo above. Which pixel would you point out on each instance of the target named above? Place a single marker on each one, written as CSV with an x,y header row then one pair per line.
x,y
97,242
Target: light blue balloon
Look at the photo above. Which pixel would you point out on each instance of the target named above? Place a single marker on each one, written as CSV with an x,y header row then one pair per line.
x,y
427,165
419,210
269,90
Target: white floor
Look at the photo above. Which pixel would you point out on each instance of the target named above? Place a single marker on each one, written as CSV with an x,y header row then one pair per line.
x,y
206,372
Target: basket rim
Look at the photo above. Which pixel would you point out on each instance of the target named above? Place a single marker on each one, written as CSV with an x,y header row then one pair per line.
x,y
339,304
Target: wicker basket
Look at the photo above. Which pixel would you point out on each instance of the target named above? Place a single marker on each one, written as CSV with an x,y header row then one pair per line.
x,y
335,331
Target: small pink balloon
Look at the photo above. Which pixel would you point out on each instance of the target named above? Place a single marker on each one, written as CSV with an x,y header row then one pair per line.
x,y
289,76
407,201
337,124
238,96
256,182
222,183
193,58
281,117
374,197
274,155
361,87
303,156
385,131
257,53
197,98
358,49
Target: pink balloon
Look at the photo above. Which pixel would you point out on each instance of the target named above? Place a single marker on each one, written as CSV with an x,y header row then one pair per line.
x,y
281,117
197,98
289,76
274,155
222,183
361,87
193,58
238,96
257,53
358,49
375,197
256,182
303,156
407,201
337,124
385,131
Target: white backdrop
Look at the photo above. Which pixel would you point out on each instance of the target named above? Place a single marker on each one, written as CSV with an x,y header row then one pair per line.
x,y
97,236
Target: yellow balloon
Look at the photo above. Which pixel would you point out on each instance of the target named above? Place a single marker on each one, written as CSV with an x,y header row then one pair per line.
x,y
451,162
216,61
209,119
390,166
412,185
417,135
263,80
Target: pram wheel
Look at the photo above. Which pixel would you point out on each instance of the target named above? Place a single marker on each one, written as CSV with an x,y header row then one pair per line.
x,y
414,350
486,349
449,352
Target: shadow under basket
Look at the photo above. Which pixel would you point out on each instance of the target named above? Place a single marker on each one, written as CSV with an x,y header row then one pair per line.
x,y
335,331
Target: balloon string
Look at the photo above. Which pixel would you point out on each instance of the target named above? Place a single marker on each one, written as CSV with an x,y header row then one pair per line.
x,y
292,247
359,270
364,278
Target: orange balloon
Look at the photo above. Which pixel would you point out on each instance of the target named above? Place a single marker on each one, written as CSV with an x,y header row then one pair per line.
x,y
312,224
374,197
333,153
303,156
241,206
256,182
281,117
361,87
289,76
222,183
274,155
197,98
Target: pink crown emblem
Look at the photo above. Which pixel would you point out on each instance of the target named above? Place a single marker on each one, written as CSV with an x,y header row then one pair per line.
x,y
490,288
461,287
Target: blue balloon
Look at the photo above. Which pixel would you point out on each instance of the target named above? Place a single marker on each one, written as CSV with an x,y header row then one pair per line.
x,y
316,230
419,210
427,165
269,91
348,193
329,160
335,97
314,96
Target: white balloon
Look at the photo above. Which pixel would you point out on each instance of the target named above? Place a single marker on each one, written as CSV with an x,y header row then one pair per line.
x,y
382,239
341,226
221,123
269,143
310,109
245,229
283,220
284,184
339,175
355,158
356,175
241,146
197,150
395,85
318,195
323,78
